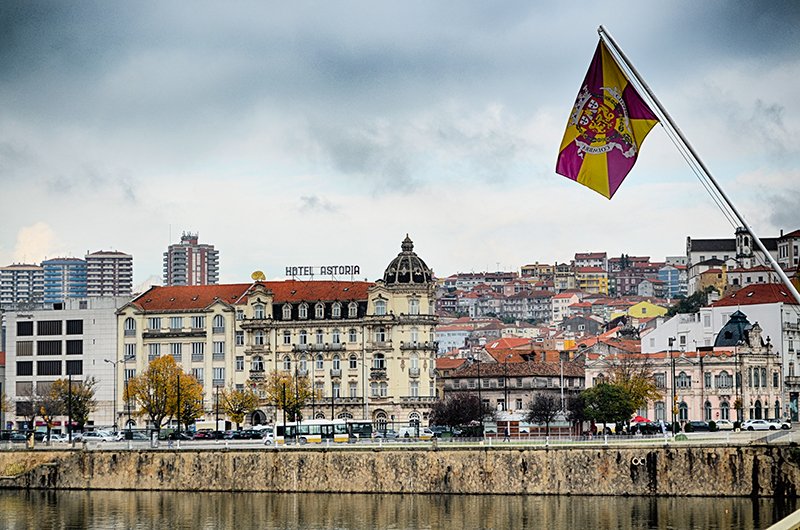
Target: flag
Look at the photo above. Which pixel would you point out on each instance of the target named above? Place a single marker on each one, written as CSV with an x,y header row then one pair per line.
x,y
606,127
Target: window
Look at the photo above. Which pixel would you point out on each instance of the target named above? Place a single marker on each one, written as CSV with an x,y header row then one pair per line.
x,y
384,386
286,312
154,323
219,348
130,373
353,390
239,363
660,380
257,364
659,411
414,335
352,336
74,327
353,362
176,348
337,363
414,389
319,311
25,329
319,362
335,337
130,351
352,310
48,368
303,364
378,362
74,367
130,327
74,347
414,361
219,324
198,322
240,314
373,389
763,378
258,312
775,382
336,310
219,375
239,338
413,306
259,337
707,379
287,363
319,337
707,411
380,334
684,380
303,337
287,336
724,410
336,392
48,327
683,411
198,348
724,380
197,373
518,404
380,307
302,311
175,322
24,367
24,348
48,347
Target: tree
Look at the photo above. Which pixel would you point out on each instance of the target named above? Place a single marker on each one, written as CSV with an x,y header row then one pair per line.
x,y
78,403
154,391
544,408
635,376
693,303
49,406
288,393
576,413
607,403
237,403
187,405
459,409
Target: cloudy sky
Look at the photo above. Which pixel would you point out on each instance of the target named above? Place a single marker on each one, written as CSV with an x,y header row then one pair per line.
x,y
311,133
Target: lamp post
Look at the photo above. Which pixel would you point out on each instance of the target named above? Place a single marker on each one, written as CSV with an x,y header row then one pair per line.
x,y
114,363
671,341
505,382
480,399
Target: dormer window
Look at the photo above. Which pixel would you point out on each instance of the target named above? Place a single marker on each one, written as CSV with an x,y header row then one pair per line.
x,y
380,307
319,311
286,312
302,311
336,310
352,310
258,312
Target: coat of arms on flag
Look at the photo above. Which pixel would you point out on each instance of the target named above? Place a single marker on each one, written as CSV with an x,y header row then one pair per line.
x,y
607,125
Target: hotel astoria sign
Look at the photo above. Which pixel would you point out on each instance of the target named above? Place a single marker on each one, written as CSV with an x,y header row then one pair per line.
x,y
323,270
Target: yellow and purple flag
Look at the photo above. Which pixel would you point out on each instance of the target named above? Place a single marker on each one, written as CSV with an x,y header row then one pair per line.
x,y
608,124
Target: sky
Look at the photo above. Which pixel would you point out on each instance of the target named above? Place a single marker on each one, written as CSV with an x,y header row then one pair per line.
x,y
321,133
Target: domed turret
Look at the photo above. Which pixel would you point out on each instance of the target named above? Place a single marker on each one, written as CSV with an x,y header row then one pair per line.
x,y
734,332
407,268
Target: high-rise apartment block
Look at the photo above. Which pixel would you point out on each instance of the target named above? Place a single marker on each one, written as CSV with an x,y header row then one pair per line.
x,y
64,278
109,273
190,263
21,284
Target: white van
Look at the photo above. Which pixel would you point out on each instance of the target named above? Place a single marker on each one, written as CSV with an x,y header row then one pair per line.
x,y
411,432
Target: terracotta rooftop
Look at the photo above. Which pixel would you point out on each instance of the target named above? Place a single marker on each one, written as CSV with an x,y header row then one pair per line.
x,y
760,293
524,369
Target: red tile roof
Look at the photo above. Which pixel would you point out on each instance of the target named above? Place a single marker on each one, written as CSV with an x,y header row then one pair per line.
x,y
759,293
187,297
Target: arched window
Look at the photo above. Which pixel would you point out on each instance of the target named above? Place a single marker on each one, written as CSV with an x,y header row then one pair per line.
x,y
763,378
258,311
287,312
413,306
413,418
130,326
724,410
344,416
219,324
319,337
303,337
379,362
684,380
320,362
380,421
353,361
303,364
380,334
335,336
724,380
755,412
302,311
287,363
257,365
683,411
352,310
352,336
319,311
414,335
414,361
336,310
337,363
380,307
259,337
707,411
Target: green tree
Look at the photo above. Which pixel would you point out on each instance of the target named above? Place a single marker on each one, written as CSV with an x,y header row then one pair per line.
x,y
288,393
155,391
607,403
459,409
692,303
186,406
79,403
635,376
543,410
238,403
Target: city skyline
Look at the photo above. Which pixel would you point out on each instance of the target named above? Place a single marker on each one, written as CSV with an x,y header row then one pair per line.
x,y
318,135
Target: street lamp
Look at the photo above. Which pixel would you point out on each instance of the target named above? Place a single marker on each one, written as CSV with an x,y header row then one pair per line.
x,y
505,382
114,363
480,399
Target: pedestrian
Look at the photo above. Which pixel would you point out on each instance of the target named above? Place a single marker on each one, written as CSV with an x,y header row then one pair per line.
x,y
507,434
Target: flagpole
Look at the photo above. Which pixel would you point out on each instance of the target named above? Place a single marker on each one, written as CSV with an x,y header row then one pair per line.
x,y
609,41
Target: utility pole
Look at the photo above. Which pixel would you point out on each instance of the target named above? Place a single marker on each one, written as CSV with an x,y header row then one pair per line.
x,y
179,405
69,406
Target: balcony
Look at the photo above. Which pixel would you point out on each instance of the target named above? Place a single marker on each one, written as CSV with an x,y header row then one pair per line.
x,y
257,375
339,401
419,345
218,330
413,372
218,383
130,332
377,374
336,372
380,345
197,357
792,381
417,401
300,347
218,356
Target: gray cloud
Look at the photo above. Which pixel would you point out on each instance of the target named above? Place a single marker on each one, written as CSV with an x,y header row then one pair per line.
x,y
314,203
784,210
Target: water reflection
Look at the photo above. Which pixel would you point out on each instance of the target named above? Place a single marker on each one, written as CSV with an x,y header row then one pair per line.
x,y
149,510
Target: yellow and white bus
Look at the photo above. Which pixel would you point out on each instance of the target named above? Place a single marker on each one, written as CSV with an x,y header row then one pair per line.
x,y
318,431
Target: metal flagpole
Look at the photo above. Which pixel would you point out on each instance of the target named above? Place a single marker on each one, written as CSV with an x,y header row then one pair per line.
x,y
609,41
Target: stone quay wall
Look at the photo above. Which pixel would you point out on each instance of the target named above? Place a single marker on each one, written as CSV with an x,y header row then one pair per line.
x,y
674,470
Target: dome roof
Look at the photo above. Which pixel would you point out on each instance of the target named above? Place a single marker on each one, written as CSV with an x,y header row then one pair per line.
x,y
407,268
734,332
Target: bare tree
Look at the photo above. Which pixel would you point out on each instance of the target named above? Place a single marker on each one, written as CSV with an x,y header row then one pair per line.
x,y
544,409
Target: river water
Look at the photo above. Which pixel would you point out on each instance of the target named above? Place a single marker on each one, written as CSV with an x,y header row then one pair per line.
x,y
26,510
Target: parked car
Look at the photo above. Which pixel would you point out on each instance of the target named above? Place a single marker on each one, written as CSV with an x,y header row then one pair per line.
x,y
388,434
269,438
57,438
697,426
781,424
17,437
205,434
724,425
758,425
98,436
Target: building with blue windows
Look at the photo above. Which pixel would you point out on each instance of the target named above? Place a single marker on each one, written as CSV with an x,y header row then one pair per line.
x,y
64,278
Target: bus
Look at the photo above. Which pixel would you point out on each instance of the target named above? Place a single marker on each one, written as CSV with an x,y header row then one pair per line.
x,y
319,431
